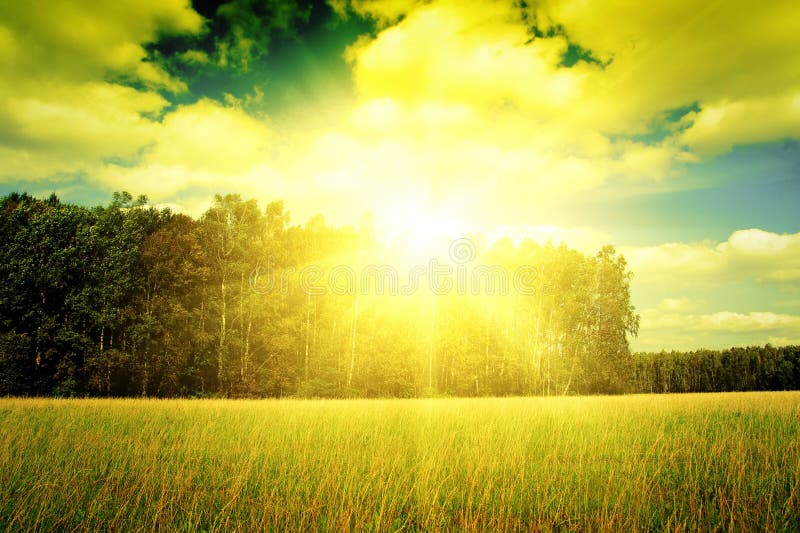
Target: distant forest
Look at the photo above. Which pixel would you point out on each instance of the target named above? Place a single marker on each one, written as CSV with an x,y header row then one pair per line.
x,y
130,300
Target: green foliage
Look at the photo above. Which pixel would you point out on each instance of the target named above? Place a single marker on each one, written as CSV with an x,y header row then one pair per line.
x,y
127,300
750,368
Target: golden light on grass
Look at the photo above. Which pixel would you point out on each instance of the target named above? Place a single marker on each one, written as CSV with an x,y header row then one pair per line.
x,y
688,462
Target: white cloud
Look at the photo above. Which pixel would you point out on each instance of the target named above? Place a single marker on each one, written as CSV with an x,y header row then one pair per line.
x,y
751,254
738,322
59,113
718,127
678,53
722,321
455,104
73,40
670,329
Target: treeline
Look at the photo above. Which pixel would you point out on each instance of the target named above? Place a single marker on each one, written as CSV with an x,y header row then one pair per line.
x,y
129,300
752,368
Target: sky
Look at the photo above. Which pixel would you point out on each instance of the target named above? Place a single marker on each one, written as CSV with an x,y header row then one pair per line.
x,y
668,128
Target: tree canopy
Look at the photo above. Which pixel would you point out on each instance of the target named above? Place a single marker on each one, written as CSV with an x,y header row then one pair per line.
x,y
129,300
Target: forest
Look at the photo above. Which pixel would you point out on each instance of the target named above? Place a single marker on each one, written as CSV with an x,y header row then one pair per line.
x,y
127,299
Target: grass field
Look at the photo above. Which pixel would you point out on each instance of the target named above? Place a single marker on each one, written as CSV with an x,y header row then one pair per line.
x,y
721,461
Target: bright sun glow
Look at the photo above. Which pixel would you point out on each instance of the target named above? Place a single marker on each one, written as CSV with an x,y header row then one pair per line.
x,y
421,233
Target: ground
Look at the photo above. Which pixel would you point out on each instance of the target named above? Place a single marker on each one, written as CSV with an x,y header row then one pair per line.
x,y
711,461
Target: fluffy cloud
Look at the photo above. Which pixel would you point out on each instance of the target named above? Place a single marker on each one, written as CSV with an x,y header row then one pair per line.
x,y
678,53
751,254
69,127
205,144
462,100
718,127
470,53
470,79
683,331
651,59
78,41
723,321
62,107
456,103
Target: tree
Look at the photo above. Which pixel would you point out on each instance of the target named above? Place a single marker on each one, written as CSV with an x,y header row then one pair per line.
x,y
233,231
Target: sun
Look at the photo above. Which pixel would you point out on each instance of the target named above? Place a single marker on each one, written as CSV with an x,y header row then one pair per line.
x,y
420,233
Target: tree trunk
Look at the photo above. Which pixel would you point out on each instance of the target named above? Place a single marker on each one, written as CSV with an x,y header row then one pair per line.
x,y
222,330
246,362
308,334
145,377
352,366
433,339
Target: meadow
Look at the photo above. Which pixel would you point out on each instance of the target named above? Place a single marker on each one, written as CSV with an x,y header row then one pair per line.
x,y
639,462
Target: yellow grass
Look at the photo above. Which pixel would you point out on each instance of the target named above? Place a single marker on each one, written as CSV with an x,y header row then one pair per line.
x,y
715,461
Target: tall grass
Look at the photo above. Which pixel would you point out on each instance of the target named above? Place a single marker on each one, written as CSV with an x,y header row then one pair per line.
x,y
721,461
